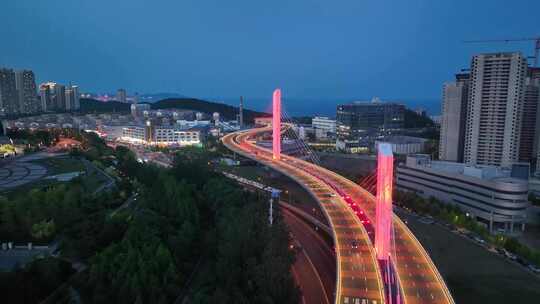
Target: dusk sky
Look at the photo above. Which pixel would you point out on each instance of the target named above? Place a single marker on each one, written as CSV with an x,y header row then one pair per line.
x,y
311,49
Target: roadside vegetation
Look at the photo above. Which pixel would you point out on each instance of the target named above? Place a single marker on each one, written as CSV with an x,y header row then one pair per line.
x,y
455,216
180,221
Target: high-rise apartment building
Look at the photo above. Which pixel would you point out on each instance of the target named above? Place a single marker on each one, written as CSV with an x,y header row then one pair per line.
x,y
528,147
454,111
72,98
121,95
56,97
25,83
53,96
60,97
77,96
9,99
45,97
495,109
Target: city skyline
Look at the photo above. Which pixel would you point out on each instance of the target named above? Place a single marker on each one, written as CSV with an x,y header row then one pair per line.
x,y
315,51
275,152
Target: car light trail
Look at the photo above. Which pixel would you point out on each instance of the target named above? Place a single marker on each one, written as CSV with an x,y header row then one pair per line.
x,y
358,275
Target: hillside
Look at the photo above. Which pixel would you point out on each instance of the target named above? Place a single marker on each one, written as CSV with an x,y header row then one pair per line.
x,y
226,111
413,120
95,106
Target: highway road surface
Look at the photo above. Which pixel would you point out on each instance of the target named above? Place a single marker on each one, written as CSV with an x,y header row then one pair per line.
x,y
317,253
358,278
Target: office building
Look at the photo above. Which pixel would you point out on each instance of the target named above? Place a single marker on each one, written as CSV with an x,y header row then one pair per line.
x,y
324,123
9,99
358,118
121,95
26,89
454,111
161,135
495,109
352,146
171,135
492,195
404,145
134,134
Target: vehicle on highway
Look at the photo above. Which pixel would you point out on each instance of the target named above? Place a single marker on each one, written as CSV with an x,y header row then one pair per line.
x,y
354,244
426,221
534,269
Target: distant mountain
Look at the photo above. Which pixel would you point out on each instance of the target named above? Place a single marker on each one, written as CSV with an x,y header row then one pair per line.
x,y
225,111
154,97
95,106
414,120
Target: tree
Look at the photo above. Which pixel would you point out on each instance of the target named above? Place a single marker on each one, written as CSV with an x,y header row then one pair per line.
x,y
43,229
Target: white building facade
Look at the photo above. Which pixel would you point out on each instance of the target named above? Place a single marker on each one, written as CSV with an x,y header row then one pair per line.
x,y
487,193
324,123
495,109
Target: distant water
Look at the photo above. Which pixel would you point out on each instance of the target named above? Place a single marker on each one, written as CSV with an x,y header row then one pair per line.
x,y
323,107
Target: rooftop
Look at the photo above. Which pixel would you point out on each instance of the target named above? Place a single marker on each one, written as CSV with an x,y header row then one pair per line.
x,y
488,173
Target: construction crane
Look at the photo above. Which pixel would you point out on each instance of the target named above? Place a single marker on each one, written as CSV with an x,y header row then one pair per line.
x,y
535,39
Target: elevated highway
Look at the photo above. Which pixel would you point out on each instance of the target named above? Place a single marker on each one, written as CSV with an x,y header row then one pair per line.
x,y
358,279
350,211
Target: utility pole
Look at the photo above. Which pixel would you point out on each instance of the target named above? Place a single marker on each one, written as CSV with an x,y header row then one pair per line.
x,y
241,112
273,196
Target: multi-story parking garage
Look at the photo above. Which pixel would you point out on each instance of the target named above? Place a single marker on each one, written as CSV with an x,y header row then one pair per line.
x,y
488,193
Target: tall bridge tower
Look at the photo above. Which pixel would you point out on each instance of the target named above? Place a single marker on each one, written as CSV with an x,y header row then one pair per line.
x,y
276,125
383,212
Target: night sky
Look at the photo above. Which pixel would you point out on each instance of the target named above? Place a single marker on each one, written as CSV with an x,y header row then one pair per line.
x,y
221,49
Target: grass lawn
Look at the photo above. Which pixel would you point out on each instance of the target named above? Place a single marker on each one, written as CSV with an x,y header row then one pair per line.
x,y
473,274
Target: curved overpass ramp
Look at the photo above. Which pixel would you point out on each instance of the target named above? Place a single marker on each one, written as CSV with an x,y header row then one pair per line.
x,y
358,275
